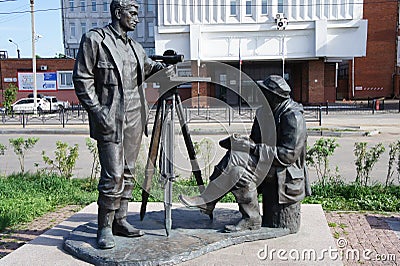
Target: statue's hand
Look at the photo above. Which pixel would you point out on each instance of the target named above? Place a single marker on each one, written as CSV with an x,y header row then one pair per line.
x,y
102,120
236,142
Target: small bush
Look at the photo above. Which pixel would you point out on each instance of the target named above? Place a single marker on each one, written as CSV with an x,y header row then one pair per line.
x,y
394,154
365,160
21,146
318,157
64,162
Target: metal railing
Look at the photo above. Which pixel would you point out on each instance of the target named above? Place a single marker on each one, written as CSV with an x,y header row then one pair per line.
x,y
76,115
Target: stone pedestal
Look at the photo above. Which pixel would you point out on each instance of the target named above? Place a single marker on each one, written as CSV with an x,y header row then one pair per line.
x,y
193,234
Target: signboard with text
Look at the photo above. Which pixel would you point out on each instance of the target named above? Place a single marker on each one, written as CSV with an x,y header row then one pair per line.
x,y
46,81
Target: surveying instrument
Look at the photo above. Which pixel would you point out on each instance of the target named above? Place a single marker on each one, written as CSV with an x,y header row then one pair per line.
x,y
162,142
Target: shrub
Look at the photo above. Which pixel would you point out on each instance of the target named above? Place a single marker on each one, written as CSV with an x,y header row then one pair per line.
x,y
63,162
365,160
318,157
91,145
3,148
21,146
394,154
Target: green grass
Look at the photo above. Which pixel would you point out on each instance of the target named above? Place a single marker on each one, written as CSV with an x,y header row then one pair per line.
x,y
23,197
353,197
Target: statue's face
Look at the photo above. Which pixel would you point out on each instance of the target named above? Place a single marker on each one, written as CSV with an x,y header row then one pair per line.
x,y
128,18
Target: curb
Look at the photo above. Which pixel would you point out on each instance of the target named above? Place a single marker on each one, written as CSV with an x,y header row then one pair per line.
x,y
197,131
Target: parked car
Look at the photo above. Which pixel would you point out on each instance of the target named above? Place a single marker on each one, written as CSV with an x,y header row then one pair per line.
x,y
27,105
55,104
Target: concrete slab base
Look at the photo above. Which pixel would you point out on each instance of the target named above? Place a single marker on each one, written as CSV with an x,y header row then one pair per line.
x,y
193,234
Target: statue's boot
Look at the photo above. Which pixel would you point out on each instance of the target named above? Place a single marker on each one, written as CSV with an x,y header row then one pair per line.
x,y
198,201
105,238
220,184
121,226
249,208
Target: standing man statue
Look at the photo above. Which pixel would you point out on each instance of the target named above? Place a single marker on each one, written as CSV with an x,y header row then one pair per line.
x,y
253,161
109,69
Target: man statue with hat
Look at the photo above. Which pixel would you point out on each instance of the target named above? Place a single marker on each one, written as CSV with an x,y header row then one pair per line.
x,y
109,71
253,164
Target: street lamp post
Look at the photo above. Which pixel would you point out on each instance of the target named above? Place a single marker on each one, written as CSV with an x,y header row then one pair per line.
x,y
33,56
18,52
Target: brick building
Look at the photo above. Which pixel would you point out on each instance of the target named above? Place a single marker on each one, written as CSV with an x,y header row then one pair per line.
x,y
377,74
54,77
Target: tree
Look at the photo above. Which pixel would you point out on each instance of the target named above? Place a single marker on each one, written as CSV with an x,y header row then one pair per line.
x,y
10,95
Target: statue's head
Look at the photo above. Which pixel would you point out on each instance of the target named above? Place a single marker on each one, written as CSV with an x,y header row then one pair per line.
x,y
276,89
126,12
122,4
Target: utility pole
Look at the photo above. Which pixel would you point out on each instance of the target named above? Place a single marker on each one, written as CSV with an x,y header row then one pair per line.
x,y
34,57
281,23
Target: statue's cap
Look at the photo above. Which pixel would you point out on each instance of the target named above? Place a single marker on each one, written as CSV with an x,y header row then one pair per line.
x,y
277,85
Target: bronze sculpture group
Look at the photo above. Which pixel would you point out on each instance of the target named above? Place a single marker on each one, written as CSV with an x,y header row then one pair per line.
x,y
108,74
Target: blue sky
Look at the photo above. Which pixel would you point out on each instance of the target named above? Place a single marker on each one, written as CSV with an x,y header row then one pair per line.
x,y
17,26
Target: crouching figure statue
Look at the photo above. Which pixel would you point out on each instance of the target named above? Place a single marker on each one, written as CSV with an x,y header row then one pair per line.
x,y
252,165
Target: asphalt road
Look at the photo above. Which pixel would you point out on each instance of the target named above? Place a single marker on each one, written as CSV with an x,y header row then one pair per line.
x,y
343,158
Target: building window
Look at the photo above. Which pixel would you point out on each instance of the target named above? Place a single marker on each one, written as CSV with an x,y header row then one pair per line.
x,y
94,25
264,7
72,29
150,51
71,5
150,6
83,6
150,29
64,80
233,7
140,30
105,6
280,6
94,6
248,7
83,27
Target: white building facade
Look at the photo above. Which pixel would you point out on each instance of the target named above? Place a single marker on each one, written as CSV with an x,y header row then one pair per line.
x,y
79,16
319,34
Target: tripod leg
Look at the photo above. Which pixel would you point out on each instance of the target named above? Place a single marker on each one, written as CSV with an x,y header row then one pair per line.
x,y
189,144
168,165
151,160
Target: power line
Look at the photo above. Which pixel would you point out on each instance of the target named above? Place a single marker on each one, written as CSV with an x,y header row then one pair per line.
x,y
14,16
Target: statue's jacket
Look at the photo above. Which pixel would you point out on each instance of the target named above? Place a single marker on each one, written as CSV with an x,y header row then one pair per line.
x,y
288,165
99,86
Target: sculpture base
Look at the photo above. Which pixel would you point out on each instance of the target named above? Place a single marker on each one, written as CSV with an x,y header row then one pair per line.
x,y
193,234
